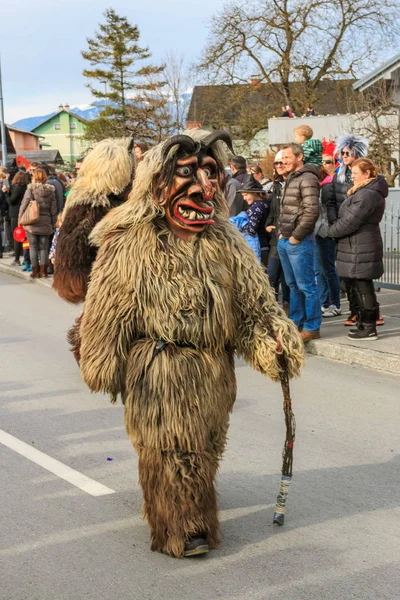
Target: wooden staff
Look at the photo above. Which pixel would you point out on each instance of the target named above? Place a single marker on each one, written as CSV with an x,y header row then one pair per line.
x,y
287,455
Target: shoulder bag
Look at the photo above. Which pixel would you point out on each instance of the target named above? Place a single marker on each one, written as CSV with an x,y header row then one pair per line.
x,y
31,214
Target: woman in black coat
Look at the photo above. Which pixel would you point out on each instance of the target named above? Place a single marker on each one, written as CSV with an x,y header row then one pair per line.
x,y
360,248
14,198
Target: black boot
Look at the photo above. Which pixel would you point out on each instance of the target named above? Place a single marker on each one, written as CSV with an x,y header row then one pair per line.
x,y
196,546
366,327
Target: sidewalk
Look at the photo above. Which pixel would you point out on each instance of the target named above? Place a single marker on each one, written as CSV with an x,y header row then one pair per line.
x,y
382,354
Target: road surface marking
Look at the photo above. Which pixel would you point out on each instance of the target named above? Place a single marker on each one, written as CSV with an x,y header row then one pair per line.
x,y
84,483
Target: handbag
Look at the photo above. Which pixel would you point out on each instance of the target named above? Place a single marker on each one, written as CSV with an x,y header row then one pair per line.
x,y
31,214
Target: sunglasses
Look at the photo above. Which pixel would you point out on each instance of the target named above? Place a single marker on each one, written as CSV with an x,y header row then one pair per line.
x,y
278,164
345,153
328,162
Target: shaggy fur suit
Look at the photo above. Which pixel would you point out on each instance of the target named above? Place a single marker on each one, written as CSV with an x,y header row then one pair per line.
x,y
205,298
105,174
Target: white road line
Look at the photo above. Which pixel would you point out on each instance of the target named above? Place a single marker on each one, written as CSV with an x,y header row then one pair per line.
x,y
88,485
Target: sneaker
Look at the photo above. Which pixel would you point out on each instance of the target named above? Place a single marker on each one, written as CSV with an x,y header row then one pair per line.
x,y
380,320
332,311
307,335
324,309
352,320
15,263
363,334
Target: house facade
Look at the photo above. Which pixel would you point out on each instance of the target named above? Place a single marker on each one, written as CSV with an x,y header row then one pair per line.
x,y
251,110
63,132
23,141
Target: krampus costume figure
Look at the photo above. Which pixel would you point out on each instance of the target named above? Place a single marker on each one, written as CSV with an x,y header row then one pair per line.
x,y
104,182
174,291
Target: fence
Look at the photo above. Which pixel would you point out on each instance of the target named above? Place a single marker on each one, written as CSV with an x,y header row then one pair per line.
x,y
390,229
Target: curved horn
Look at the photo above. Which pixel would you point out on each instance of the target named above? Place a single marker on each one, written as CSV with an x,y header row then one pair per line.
x,y
131,143
217,136
184,141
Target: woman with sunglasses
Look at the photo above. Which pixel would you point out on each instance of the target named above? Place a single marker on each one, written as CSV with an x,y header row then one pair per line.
x,y
274,266
258,175
325,255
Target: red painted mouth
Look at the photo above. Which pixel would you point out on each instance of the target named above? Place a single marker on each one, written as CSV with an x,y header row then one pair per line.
x,y
190,213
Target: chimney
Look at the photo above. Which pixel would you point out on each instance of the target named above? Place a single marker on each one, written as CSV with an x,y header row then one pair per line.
x,y
60,107
67,107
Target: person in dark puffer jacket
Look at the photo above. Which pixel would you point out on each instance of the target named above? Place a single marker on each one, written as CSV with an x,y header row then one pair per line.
x,y
360,248
349,147
296,245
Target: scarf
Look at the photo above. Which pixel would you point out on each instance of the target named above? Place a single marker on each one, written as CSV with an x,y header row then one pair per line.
x,y
359,185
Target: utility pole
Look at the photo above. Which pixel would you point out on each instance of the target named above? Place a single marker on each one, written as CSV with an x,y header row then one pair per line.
x,y
3,125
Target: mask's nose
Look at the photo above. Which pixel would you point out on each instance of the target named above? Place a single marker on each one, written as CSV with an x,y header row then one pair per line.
x,y
208,190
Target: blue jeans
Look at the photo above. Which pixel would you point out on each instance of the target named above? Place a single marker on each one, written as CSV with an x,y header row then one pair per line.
x,y
326,253
298,266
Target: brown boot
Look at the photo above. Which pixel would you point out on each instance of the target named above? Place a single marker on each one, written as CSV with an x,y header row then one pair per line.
x,y
35,272
43,271
307,336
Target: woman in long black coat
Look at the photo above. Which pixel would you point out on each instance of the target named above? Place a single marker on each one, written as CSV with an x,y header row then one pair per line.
x,y
360,248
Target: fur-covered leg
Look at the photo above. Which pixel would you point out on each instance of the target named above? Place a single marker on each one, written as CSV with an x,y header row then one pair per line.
x,y
74,339
177,416
179,497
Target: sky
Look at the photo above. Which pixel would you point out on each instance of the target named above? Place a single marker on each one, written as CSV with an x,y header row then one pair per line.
x,y
41,41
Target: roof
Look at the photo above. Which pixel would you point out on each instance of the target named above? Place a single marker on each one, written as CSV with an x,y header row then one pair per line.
x,y
10,145
336,97
59,113
18,130
384,71
44,156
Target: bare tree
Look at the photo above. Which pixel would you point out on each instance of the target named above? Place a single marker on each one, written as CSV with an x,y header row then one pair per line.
x,y
379,122
279,41
176,84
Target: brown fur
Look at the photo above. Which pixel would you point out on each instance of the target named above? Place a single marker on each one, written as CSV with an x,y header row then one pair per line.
x,y
74,254
74,339
204,297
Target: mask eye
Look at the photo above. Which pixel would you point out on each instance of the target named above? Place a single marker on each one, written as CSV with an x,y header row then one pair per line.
x,y
209,172
184,171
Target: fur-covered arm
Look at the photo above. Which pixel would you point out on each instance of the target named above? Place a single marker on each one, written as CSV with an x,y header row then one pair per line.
x,y
75,256
107,328
263,324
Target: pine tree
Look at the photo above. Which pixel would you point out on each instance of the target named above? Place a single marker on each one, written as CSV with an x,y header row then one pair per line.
x,y
114,53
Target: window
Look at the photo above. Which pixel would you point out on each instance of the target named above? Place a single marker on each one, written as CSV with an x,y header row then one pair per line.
x,y
57,126
73,125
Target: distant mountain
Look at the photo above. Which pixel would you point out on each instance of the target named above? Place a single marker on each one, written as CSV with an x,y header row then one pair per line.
x,y
88,112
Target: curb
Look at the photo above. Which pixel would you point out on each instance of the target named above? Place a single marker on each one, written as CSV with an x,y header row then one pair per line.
x,y
364,357
9,270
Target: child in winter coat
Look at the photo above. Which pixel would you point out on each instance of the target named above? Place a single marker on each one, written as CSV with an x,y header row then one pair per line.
x,y
312,149
252,221
27,257
52,253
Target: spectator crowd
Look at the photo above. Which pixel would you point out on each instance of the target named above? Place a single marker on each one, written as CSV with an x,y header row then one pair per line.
x,y
321,213
314,226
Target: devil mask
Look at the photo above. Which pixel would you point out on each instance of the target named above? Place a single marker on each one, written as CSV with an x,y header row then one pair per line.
x,y
188,182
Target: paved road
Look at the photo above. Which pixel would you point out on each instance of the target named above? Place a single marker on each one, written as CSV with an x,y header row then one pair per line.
x,y
57,542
